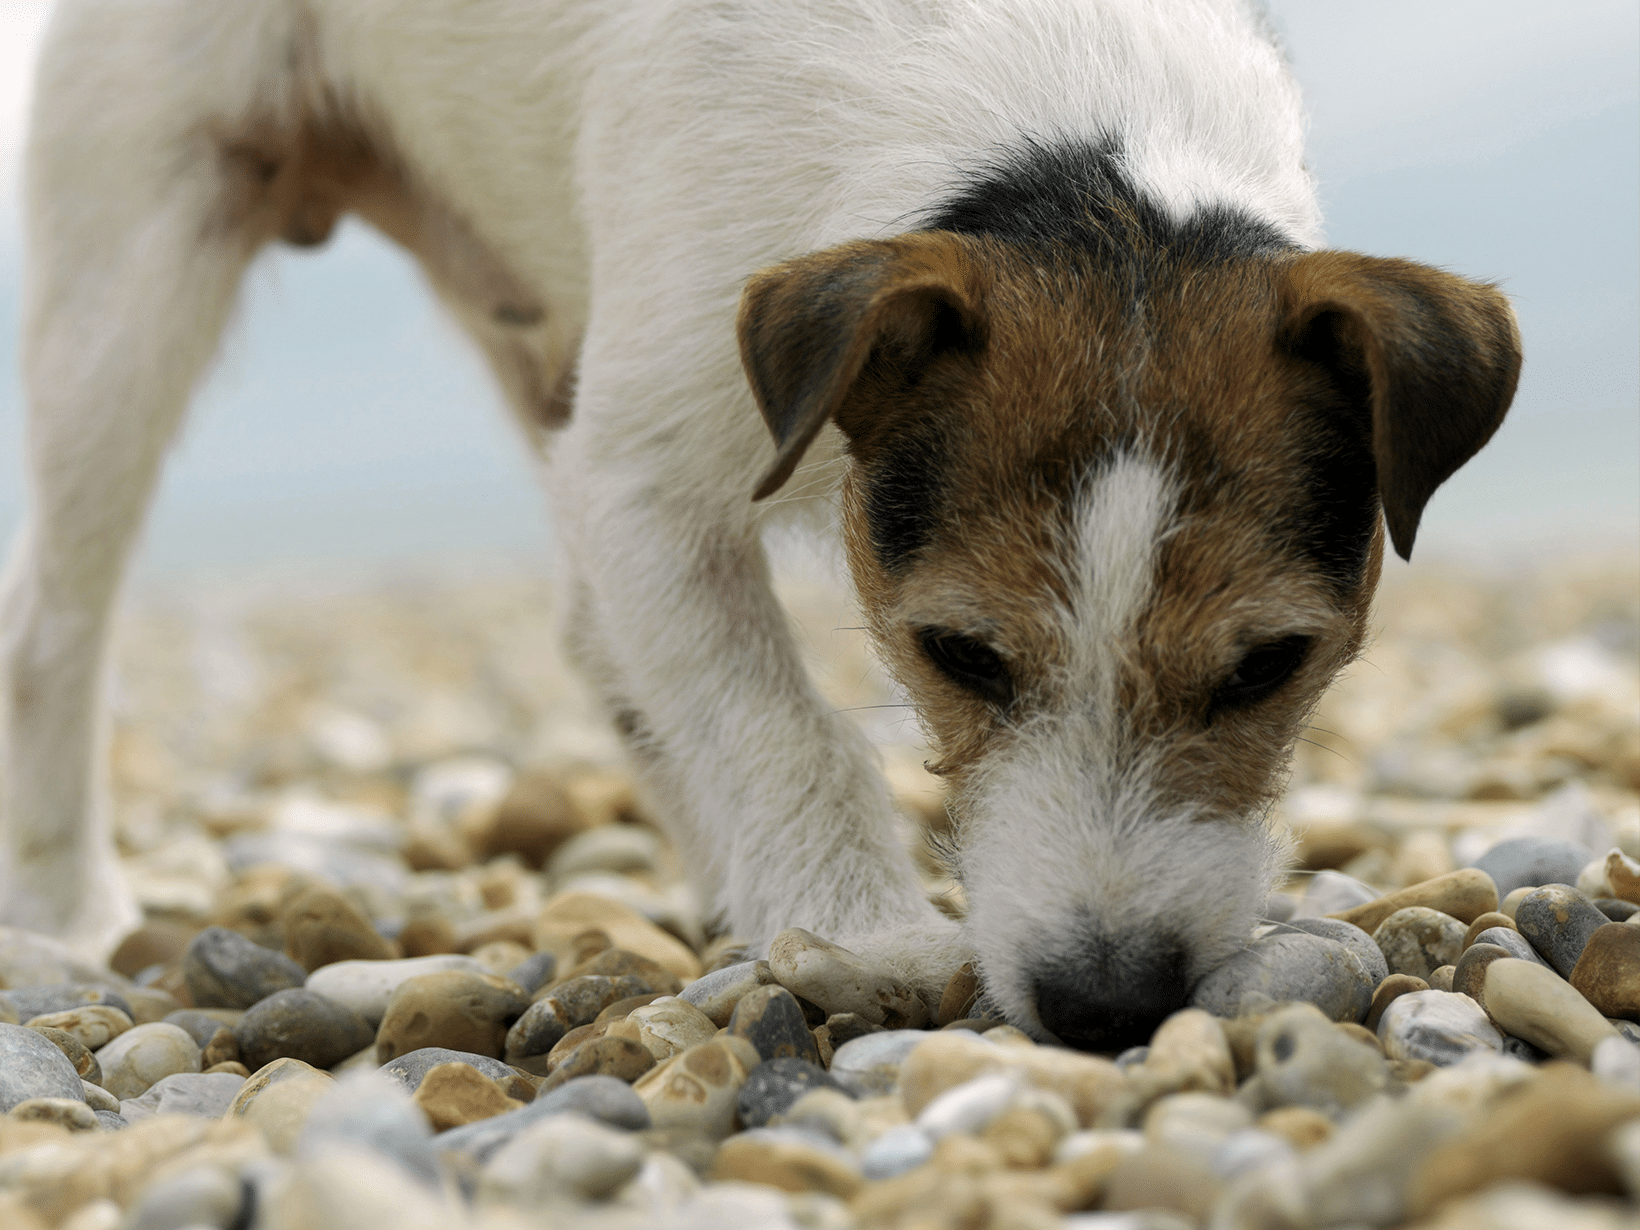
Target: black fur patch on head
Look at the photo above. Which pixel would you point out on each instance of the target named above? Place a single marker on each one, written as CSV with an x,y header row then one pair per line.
x,y
904,487
1334,523
1078,192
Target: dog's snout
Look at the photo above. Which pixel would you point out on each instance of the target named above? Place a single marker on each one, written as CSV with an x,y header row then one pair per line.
x,y
1105,1003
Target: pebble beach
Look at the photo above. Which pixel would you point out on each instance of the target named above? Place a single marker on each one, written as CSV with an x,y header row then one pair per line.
x,y
413,954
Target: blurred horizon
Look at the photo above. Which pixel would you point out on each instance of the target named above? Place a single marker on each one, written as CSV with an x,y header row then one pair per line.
x,y
348,429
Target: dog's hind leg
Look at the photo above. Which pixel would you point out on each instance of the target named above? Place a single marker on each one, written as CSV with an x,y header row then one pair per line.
x,y
131,274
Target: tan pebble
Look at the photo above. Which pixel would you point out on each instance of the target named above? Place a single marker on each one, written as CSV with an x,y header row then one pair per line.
x,y
1078,1182
499,956
1441,979
667,1025
585,945
1421,857
1359,1033
1300,1126
1162,1178
1189,1051
72,1113
1416,940
322,927
620,1027
789,1165
615,962
830,1111
453,1094
876,1115
231,1067
563,1047
1551,1132
623,1058
696,1089
623,1008
1492,918
1623,874
1008,1035
1088,1083
568,914
98,1098
277,1098
459,1009
960,1154
512,924
536,816
838,980
1241,1036
19,1134
959,995
1389,990
16,1214
1465,894
85,1063
427,935
926,1198
1408,1071
1533,1002
1023,1137
429,847
1607,974
943,1061
95,1025
1511,903
154,1003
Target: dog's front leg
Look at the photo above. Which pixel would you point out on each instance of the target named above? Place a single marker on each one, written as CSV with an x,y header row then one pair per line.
x,y
774,800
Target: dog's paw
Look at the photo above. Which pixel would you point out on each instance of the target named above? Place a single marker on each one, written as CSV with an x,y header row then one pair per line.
x,y
924,956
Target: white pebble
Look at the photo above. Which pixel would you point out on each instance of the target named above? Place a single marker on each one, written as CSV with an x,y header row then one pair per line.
x,y
896,1151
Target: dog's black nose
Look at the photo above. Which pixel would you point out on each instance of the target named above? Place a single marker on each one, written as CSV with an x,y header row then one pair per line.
x,y
1110,1005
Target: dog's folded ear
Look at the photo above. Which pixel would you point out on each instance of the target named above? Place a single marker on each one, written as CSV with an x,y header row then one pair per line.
x,y
814,329
1429,361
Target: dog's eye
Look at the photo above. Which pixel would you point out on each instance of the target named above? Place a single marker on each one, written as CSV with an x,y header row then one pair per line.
x,y
1261,672
973,664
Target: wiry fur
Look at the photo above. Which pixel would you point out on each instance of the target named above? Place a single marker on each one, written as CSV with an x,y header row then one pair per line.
x,y
589,185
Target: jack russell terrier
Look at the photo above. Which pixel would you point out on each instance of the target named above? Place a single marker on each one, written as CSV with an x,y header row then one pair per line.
x,y
1025,294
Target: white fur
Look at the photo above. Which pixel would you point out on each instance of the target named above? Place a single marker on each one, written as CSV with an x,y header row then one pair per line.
x,y
630,162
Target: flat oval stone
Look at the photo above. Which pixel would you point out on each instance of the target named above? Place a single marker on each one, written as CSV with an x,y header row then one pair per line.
x,y
300,1024
223,969
717,993
772,1021
85,1063
32,1066
790,1161
870,1064
1418,941
842,981
366,986
322,927
31,1002
696,1090
1491,919
1290,967
409,1069
1352,937
669,1025
1469,975
623,1058
1558,921
1533,861
145,1054
205,1095
775,1084
1465,894
1608,972
582,998
1440,1027
1512,942
71,1113
95,1025
457,1009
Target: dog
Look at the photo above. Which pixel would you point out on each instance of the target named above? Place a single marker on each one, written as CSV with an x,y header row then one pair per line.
x,y
1025,297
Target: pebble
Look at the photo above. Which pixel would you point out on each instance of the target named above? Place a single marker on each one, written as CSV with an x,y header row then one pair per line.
x,y
1465,894
1092,1086
1441,979
870,1064
1531,861
322,927
697,1089
203,1094
623,1058
1558,921
533,972
1196,1124
366,986
455,1094
1492,918
834,1112
1440,1027
771,1020
1329,892
31,1002
959,996
409,1069
1187,1052
372,1110
601,1098
790,1161
624,848
1352,937
223,969
1418,941
568,914
1531,1002
1616,909
1469,975
775,1085
645,976
278,1099
668,1025
559,1157
1302,1059
1607,974
98,1098
72,1113
94,1025
896,1151
717,993
1299,1126
300,1024
531,1039
1290,967
85,1063
838,980
970,1106
1623,875
145,1054
202,1026
1389,990
200,1196
456,1009
1512,942
536,816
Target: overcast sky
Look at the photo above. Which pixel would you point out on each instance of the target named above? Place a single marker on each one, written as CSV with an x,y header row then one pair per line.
x,y
347,423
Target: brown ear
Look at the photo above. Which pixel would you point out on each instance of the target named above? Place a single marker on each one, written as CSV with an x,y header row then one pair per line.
x,y
1429,359
810,329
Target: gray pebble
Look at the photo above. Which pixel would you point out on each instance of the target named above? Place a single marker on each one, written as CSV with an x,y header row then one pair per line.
x,y
896,1151
31,1066
1512,942
771,1019
1352,937
30,1002
206,1095
1303,1059
534,971
201,1026
870,1065
1557,920
367,986
603,1099
1615,908
1332,892
1531,861
1469,975
534,1034
1419,940
144,1055
1291,966
375,1111
717,993
1132,1057
109,1121
200,1196
223,969
409,1068
775,1085
1440,1026
301,1025
1279,907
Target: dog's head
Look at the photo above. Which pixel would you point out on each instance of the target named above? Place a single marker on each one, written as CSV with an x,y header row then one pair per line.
x,y
1116,525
